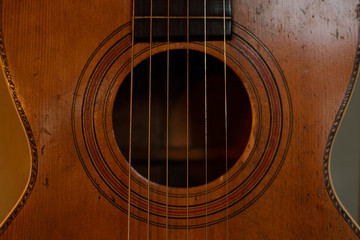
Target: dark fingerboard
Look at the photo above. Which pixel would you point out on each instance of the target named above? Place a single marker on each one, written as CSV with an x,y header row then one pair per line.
x,y
181,14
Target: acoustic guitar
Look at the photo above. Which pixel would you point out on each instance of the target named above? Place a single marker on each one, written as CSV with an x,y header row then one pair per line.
x,y
164,119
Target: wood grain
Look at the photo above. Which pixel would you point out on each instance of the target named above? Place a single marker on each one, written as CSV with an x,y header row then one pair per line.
x,y
49,43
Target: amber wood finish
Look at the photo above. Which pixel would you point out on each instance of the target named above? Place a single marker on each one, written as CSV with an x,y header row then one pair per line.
x,y
15,155
47,45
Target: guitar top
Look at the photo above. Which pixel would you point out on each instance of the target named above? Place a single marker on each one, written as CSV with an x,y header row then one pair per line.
x,y
159,119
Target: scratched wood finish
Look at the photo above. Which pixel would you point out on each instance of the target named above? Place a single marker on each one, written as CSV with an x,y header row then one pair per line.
x,y
47,45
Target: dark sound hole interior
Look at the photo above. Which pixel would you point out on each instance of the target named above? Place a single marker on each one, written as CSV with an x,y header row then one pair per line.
x,y
238,111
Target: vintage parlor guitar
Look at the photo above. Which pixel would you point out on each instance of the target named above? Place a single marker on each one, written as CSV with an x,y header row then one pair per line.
x,y
179,119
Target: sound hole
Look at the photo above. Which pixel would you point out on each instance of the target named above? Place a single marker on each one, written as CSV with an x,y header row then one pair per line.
x,y
238,111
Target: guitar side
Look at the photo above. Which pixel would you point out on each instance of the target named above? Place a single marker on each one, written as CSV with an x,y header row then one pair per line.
x,y
18,158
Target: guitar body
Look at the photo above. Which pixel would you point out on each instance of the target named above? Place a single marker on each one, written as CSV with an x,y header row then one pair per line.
x,y
68,59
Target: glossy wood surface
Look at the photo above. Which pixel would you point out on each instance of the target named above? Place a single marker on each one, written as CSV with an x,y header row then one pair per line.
x,y
47,45
15,156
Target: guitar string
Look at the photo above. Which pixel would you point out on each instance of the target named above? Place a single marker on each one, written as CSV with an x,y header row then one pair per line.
x,y
167,118
206,126
226,124
187,119
149,116
130,117
149,121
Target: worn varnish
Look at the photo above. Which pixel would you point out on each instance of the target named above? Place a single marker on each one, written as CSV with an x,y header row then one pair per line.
x,y
295,60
